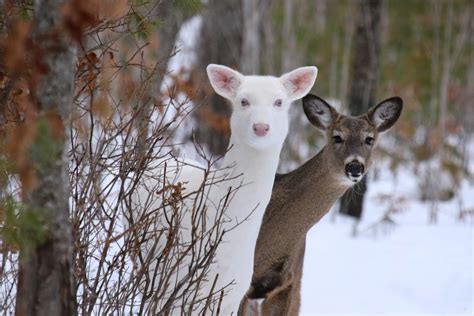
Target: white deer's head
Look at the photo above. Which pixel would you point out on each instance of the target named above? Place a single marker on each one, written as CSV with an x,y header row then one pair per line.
x,y
260,103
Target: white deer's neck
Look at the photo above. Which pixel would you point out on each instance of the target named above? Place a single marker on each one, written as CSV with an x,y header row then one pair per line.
x,y
254,171
257,169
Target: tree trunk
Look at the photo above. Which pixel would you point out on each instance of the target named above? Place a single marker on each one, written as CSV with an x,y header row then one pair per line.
x,y
288,35
346,50
292,56
220,43
363,83
45,285
268,41
250,60
445,73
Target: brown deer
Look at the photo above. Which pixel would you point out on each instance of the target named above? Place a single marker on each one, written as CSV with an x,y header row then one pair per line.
x,y
302,197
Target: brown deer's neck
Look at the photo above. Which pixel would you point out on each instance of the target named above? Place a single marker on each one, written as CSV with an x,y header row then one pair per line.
x,y
299,200
318,184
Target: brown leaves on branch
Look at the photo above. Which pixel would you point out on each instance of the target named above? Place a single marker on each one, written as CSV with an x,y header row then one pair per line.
x,y
87,72
15,46
176,193
22,67
22,138
113,10
114,77
220,123
195,89
81,15
19,111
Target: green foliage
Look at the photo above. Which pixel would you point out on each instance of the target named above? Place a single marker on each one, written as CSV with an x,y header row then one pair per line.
x,y
188,7
140,26
24,9
140,2
46,149
22,226
408,58
409,39
5,167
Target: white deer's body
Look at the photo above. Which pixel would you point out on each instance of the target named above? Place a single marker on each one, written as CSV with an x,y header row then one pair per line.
x,y
259,125
234,256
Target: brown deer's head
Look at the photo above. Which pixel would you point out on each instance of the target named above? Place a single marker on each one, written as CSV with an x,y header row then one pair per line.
x,y
351,139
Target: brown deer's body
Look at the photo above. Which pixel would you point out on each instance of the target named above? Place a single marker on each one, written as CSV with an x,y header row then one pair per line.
x,y
279,251
302,197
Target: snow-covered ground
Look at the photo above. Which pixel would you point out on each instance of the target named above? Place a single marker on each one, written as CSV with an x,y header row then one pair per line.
x,y
408,268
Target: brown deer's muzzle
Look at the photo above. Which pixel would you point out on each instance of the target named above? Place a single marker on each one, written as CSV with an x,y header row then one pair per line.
x,y
354,170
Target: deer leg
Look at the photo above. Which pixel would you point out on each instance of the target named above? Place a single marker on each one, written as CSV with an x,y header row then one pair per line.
x,y
278,302
296,288
275,303
295,297
250,306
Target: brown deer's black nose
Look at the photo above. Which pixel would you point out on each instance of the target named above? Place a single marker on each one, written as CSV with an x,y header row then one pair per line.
x,y
354,169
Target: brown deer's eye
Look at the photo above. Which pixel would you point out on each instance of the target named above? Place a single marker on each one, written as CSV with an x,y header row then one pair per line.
x,y
369,141
245,102
278,103
337,139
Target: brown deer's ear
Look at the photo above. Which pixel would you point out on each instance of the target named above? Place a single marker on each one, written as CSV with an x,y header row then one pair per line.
x,y
386,113
318,112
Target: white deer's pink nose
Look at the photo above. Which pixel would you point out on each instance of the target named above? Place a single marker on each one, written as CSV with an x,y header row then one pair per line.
x,y
261,129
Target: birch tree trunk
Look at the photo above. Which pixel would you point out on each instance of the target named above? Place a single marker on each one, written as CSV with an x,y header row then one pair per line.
x,y
346,50
446,72
288,35
268,40
250,60
364,66
45,285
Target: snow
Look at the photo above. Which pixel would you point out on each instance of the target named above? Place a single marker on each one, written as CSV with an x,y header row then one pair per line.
x,y
407,268
426,269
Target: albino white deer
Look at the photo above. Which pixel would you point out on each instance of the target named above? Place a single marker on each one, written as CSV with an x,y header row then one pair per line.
x,y
259,125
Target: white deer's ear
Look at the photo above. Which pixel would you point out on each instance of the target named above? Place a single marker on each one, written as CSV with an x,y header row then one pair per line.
x,y
299,81
224,80
386,113
318,112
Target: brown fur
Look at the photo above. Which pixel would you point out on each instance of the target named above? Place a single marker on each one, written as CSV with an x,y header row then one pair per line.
x,y
299,200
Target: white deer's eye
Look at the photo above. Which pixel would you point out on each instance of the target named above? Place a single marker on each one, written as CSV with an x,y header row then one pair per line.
x,y
278,103
245,102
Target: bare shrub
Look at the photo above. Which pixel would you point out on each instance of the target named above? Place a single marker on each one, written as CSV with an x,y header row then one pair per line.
x,y
121,135
111,228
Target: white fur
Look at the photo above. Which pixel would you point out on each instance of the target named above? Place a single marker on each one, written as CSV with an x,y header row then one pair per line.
x,y
354,158
256,158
